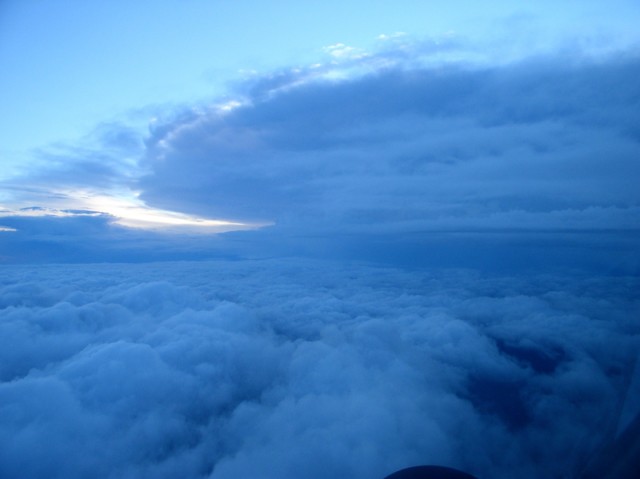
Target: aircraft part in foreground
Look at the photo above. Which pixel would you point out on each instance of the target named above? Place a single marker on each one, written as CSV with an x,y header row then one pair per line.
x,y
430,472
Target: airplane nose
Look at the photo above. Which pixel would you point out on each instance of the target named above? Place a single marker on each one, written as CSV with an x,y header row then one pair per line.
x,y
430,472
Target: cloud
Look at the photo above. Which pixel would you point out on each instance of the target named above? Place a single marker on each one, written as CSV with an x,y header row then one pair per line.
x,y
280,368
104,158
341,51
382,156
419,156
544,143
89,237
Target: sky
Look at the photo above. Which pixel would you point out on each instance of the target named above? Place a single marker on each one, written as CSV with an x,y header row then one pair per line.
x,y
192,118
276,239
69,65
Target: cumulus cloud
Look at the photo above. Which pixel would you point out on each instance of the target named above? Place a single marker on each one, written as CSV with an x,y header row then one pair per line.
x,y
282,369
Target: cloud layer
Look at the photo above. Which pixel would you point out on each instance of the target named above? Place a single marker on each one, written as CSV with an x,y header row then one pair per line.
x,y
370,155
283,369
543,143
424,155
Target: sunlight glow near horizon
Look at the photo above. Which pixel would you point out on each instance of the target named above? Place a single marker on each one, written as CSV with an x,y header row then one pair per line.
x,y
130,212
133,213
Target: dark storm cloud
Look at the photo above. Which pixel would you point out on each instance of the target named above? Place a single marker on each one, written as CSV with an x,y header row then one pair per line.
x,y
281,369
543,143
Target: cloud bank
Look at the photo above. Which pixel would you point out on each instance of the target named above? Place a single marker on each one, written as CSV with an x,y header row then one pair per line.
x,y
541,143
369,154
283,369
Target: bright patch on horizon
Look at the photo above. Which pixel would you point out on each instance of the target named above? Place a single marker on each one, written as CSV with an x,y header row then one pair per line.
x,y
134,214
129,212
